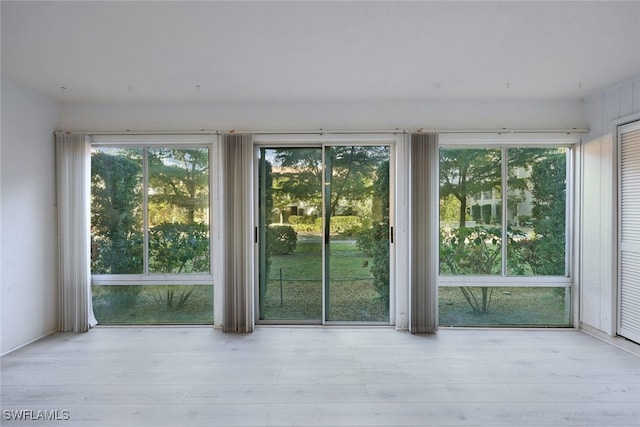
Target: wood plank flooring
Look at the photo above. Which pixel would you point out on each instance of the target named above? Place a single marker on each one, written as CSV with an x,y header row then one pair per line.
x,y
321,377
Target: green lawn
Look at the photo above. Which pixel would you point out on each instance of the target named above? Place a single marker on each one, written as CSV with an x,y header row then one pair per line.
x,y
145,304
509,307
352,296
298,296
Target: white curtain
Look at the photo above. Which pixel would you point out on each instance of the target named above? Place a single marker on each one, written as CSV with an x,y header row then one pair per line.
x,y
73,169
424,211
237,155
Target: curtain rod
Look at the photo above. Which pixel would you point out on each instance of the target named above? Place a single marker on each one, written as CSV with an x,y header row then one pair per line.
x,y
336,132
510,131
232,131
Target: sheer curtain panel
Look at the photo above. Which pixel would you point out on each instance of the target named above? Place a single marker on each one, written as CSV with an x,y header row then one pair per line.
x,y
73,163
237,152
424,211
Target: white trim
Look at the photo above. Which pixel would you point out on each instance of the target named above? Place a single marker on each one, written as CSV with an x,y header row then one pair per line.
x,y
216,222
576,248
399,250
213,278
305,140
506,281
55,331
630,119
616,341
501,140
151,279
621,126
504,142
143,139
396,131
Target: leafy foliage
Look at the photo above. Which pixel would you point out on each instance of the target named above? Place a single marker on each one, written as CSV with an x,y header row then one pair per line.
x,y
178,201
299,175
179,184
470,251
175,297
306,223
282,239
477,251
179,248
467,172
544,252
374,242
116,215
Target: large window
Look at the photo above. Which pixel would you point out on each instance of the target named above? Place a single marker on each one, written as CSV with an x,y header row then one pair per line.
x,y
503,239
150,234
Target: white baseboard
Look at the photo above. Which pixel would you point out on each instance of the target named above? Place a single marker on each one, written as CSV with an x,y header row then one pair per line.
x,y
29,342
617,341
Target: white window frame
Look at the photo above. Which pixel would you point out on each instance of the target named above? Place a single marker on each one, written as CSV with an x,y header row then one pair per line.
x,y
399,214
505,141
174,141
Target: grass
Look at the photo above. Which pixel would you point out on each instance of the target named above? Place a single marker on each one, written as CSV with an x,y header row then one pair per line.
x,y
351,296
145,304
509,307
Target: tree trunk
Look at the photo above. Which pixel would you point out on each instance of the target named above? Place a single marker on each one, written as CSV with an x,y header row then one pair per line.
x,y
463,211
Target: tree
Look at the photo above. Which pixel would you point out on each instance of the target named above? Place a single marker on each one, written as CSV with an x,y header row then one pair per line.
x,y
465,173
546,254
299,175
374,242
353,169
178,178
116,214
296,176
177,208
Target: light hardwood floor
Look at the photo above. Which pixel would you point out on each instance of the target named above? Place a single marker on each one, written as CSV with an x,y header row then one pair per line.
x,y
323,377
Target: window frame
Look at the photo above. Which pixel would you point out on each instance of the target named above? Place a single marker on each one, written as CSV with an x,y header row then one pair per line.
x,y
145,142
505,142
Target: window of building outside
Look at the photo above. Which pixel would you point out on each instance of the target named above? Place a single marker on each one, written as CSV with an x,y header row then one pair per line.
x,y
503,259
150,234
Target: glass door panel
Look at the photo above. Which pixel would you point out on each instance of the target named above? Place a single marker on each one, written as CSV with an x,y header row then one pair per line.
x,y
356,233
290,234
324,230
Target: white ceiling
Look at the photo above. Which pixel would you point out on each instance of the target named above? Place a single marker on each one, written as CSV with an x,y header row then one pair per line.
x,y
312,51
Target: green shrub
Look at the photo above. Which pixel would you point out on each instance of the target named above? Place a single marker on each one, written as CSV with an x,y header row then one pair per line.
x,y
282,239
348,225
305,224
374,242
179,248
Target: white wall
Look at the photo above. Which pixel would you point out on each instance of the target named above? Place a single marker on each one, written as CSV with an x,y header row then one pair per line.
x,y
28,260
433,114
407,114
598,297
28,247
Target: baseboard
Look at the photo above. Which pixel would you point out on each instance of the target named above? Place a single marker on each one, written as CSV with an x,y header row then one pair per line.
x,y
29,342
616,341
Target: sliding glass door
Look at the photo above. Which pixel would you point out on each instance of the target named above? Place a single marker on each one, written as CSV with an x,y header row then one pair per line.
x,y
324,234
290,234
